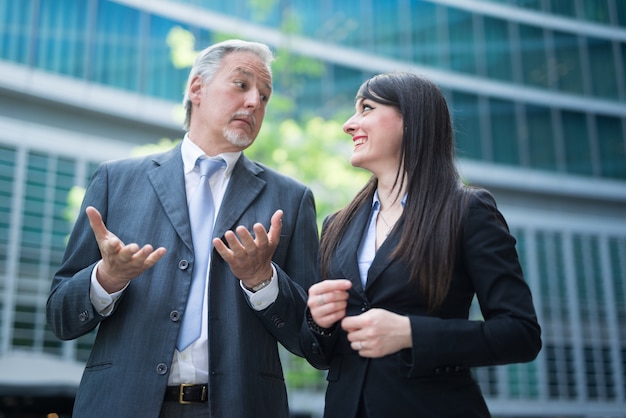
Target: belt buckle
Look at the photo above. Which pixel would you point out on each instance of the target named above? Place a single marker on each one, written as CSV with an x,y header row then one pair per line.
x,y
181,393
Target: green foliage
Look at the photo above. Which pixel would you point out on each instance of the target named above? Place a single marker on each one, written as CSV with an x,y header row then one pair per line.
x,y
74,199
163,144
181,43
299,374
315,152
261,9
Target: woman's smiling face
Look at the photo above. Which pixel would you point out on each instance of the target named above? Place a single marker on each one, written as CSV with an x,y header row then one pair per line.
x,y
376,131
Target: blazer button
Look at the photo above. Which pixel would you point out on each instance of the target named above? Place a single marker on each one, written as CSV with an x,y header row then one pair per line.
x,y
278,323
83,316
174,316
183,264
438,370
364,307
161,368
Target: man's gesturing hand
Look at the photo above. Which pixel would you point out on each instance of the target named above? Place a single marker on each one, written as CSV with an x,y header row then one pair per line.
x,y
250,257
120,262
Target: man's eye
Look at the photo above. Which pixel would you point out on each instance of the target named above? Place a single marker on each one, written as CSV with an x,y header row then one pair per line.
x,y
240,84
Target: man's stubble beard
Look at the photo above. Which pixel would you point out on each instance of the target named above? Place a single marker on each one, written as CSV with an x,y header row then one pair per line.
x,y
238,139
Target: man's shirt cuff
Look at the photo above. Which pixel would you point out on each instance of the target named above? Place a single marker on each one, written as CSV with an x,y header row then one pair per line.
x,y
266,296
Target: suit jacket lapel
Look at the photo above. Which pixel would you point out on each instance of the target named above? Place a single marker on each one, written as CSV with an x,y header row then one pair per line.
x,y
383,255
243,188
168,181
347,252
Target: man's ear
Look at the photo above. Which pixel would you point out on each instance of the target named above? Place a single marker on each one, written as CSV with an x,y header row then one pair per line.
x,y
195,89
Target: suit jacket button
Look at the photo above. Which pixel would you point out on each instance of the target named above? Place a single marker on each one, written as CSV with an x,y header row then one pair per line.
x,y
161,368
278,323
364,307
438,370
83,316
183,264
174,316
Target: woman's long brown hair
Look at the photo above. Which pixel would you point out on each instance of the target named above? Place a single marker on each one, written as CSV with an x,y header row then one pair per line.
x,y
436,198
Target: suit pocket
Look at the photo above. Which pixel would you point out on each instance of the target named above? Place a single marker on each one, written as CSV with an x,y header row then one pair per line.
x,y
101,365
272,376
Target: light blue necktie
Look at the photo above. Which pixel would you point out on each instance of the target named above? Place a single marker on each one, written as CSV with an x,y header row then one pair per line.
x,y
201,214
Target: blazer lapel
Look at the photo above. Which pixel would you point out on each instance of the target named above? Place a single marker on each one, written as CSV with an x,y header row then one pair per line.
x,y
383,255
168,181
243,188
347,251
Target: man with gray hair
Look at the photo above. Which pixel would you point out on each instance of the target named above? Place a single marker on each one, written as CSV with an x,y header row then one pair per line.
x,y
192,263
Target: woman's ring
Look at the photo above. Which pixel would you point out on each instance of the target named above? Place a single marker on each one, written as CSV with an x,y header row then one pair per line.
x,y
320,300
359,346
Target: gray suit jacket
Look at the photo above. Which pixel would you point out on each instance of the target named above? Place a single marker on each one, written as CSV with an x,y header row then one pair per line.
x,y
143,200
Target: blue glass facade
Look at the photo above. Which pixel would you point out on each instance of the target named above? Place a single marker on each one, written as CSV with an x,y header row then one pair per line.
x,y
537,89
112,44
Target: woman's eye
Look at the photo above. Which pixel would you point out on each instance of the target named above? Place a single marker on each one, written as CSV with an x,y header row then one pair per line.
x,y
366,107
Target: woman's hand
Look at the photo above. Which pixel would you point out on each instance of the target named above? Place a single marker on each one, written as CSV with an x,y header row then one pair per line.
x,y
378,332
328,300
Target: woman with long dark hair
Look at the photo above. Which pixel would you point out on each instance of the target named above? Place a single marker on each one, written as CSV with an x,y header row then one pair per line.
x,y
401,264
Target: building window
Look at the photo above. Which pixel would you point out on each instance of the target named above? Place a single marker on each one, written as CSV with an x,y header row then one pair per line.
x,y
533,56
34,189
566,66
426,43
504,132
61,37
612,145
462,49
576,142
539,132
464,109
497,49
17,37
603,68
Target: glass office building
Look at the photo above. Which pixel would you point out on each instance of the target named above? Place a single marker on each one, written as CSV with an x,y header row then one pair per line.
x,y
537,90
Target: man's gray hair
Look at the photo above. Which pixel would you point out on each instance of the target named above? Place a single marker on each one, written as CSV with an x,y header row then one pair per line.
x,y
208,62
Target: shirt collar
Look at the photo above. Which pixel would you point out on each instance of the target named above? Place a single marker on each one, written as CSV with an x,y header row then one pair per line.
x,y
376,201
190,153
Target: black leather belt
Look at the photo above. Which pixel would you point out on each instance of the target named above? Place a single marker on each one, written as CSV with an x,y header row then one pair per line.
x,y
186,393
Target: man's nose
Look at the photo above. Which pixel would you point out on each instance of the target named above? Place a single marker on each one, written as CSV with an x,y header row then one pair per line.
x,y
253,99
